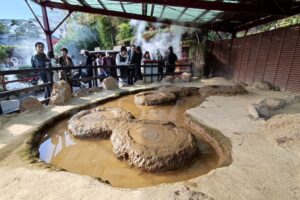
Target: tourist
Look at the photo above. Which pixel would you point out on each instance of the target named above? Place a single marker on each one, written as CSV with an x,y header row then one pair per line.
x,y
122,61
65,61
131,52
99,62
53,62
39,61
170,60
146,57
89,64
160,61
136,61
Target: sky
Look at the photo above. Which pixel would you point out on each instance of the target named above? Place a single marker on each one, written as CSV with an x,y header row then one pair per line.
x,y
17,9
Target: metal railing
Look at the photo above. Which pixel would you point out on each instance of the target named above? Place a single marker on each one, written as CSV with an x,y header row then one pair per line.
x,y
128,72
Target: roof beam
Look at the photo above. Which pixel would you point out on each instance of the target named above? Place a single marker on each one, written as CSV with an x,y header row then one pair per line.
x,y
162,12
102,4
76,8
144,8
152,10
122,7
182,13
269,9
84,3
201,15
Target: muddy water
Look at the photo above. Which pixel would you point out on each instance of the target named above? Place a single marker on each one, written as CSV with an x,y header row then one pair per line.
x,y
95,158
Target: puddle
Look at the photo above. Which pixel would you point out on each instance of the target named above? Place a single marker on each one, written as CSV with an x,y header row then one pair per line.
x,y
95,158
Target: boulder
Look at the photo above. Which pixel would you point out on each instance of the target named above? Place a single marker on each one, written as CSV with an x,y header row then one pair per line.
x,y
61,93
98,123
253,112
265,86
110,83
262,110
154,146
150,98
274,103
30,104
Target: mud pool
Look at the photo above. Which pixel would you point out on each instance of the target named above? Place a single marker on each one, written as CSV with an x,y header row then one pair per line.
x,y
94,157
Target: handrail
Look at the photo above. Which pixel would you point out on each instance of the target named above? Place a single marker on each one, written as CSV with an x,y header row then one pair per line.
x,y
93,78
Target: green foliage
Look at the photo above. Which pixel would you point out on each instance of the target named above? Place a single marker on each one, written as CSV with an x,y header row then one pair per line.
x,y
4,52
124,32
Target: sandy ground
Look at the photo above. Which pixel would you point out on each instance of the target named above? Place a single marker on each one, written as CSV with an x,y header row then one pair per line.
x,y
260,169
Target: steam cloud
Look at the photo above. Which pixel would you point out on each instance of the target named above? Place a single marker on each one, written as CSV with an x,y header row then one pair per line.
x,y
162,39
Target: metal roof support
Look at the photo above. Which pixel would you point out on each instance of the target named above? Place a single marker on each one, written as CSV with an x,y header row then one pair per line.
x,y
121,3
47,28
102,4
144,9
75,8
37,19
62,21
152,10
217,5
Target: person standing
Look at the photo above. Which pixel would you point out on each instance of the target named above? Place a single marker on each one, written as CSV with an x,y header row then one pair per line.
x,y
136,62
89,64
122,61
38,61
170,60
65,61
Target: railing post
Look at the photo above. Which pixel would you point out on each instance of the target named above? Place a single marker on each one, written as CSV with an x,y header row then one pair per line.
x,y
95,75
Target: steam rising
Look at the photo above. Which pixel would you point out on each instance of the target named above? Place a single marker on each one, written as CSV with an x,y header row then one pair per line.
x,y
162,39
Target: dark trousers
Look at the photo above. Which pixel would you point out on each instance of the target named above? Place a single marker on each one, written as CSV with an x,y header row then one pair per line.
x,y
46,78
90,75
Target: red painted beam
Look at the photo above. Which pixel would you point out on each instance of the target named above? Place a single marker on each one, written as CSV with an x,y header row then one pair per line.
x,y
128,15
269,8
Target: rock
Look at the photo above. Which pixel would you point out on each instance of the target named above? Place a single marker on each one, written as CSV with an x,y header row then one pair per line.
x,y
154,146
253,112
186,76
274,103
291,99
95,89
262,110
178,91
168,79
266,86
209,90
110,83
99,122
186,193
30,104
150,98
61,93
81,92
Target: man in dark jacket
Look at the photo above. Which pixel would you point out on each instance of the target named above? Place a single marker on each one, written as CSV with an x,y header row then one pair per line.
x,y
89,64
40,60
170,60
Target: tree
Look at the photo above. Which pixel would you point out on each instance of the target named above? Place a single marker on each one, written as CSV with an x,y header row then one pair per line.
x,y
124,32
4,52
